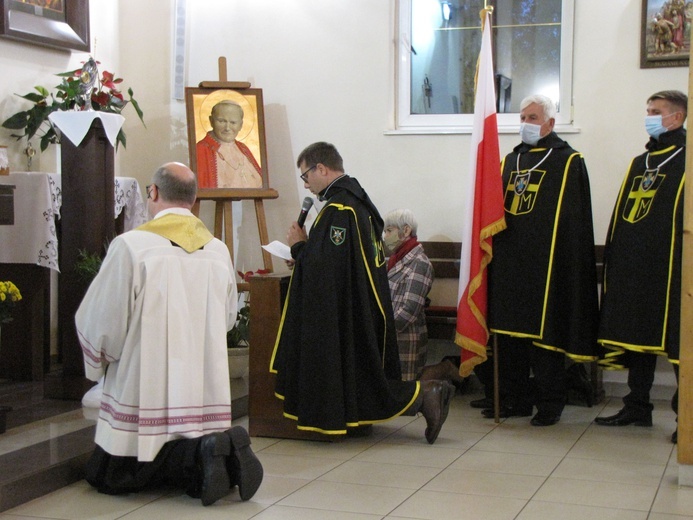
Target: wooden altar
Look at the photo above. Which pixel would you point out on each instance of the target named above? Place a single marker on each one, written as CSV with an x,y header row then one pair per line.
x,y
86,223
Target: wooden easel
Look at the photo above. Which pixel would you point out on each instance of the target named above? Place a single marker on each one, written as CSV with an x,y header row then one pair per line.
x,y
224,197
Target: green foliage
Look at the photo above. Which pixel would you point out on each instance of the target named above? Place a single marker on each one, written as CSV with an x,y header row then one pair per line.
x,y
87,265
105,97
239,335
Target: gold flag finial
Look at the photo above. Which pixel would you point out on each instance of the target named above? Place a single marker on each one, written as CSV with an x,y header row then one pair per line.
x,y
482,14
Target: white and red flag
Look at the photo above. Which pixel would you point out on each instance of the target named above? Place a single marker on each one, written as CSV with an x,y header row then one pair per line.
x,y
483,212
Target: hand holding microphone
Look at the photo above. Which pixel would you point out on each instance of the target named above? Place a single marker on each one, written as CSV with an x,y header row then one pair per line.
x,y
296,232
305,208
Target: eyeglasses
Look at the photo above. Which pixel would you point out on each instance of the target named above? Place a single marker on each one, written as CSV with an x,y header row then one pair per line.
x,y
149,188
304,175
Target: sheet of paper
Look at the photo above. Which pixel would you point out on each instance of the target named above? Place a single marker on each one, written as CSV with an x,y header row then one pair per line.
x,y
279,249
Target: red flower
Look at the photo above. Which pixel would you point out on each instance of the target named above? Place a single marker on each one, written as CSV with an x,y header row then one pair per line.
x,y
100,97
107,80
246,276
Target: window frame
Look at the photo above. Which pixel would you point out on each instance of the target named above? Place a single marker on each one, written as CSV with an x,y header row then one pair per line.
x,y
408,123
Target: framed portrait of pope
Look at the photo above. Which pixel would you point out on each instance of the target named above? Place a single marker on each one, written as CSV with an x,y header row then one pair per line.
x,y
226,140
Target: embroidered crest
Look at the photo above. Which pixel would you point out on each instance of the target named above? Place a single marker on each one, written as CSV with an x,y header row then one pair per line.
x,y
521,183
522,191
641,195
337,235
648,179
377,247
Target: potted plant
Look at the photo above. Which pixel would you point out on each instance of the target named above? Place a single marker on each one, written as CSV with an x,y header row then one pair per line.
x,y
81,89
237,341
238,338
9,296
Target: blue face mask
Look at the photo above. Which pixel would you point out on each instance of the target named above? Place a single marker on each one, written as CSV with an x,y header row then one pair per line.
x,y
530,133
653,125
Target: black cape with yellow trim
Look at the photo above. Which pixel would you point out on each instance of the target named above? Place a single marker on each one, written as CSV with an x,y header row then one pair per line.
x,y
543,278
641,293
336,356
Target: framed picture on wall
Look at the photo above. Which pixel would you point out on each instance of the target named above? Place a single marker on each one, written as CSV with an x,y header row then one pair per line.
x,y
61,24
665,33
226,139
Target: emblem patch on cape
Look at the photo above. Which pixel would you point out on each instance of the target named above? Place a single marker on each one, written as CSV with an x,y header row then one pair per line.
x,y
337,235
522,191
648,179
641,195
521,183
377,248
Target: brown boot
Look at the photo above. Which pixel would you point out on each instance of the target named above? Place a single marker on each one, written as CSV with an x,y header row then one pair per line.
x,y
435,406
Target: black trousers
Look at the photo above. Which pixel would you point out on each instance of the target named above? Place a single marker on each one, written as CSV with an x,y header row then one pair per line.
x,y
517,358
641,374
176,464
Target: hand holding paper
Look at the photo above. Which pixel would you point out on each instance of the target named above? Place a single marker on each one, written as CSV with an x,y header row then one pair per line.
x,y
278,249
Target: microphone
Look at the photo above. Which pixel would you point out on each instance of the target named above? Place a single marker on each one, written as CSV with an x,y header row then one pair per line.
x,y
305,208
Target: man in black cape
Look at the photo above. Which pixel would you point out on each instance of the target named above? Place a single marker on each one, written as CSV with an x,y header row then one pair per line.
x,y
543,300
641,293
336,356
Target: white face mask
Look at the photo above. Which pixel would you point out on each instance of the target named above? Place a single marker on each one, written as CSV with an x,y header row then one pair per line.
x,y
530,133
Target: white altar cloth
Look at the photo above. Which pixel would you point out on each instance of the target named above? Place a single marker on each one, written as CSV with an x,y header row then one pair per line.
x,y
75,125
37,201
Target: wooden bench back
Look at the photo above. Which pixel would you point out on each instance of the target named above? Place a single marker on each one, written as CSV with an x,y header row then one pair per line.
x,y
445,258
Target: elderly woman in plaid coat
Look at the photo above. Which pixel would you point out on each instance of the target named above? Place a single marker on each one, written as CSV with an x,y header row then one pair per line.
x,y
410,274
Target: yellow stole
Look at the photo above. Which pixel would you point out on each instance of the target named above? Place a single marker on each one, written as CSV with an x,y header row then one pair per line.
x,y
188,232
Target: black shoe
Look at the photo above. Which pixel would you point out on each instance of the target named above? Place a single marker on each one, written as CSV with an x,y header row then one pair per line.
x,y
545,419
244,468
486,402
675,436
625,417
214,450
507,411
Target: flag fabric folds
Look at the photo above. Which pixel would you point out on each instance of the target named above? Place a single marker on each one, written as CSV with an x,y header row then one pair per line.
x,y
483,213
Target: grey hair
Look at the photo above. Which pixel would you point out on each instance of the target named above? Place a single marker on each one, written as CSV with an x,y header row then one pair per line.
x,y
402,217
229,103
174,189
546,103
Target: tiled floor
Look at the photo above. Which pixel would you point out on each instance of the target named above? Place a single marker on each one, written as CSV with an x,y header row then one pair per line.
x,y
476,470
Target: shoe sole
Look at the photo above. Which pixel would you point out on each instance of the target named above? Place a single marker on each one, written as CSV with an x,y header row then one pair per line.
x,y
215,478
538,422
246,467
642,422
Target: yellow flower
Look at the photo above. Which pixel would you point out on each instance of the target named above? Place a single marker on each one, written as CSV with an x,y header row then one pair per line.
x,y
9,295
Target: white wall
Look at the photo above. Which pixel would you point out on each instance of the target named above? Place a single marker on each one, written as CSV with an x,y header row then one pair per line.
x,y
326,68
24,66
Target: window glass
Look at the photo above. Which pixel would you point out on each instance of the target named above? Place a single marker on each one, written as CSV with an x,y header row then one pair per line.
x,y
439,47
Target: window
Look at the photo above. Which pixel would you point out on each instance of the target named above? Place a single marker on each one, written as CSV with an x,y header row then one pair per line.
x,y
438,47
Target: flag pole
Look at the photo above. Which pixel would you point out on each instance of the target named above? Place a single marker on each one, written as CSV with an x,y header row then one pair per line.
x,y
496,376
483,214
